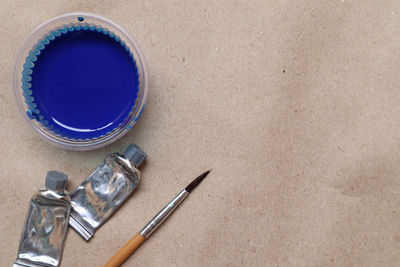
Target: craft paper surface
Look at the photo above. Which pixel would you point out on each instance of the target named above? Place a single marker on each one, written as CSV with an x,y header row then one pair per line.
x,y
293,104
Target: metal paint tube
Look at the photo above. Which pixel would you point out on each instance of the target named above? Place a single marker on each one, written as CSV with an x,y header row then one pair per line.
x,y
99,196
46,225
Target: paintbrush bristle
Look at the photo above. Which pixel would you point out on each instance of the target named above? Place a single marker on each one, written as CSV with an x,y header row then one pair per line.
x,y
196,181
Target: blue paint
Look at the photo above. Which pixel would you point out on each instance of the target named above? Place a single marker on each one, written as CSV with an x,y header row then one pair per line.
x,y
81,18
81,82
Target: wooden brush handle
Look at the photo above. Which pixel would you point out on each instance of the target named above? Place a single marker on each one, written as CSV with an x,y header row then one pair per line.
x,y
125,251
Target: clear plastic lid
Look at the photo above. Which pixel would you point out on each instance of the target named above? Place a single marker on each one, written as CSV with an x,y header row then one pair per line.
x,y
77,21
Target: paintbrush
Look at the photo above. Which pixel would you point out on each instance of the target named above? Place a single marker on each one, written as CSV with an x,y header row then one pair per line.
x,y
140,237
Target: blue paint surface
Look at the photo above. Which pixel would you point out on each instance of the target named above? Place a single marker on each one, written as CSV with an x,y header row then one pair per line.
x,y
84,84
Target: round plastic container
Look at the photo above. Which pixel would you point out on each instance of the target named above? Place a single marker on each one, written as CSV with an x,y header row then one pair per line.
x,y
79,20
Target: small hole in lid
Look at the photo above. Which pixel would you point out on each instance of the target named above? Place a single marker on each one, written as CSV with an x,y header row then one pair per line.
x,y
81,18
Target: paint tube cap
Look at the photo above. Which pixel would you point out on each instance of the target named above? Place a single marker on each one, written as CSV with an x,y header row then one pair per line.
x,y
135,155
56,180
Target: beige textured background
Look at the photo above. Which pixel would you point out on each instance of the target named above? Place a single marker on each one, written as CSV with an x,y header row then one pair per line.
x,y
293,104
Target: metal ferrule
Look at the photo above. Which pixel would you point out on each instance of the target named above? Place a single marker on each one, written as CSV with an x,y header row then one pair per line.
x,y
163,214
100,195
